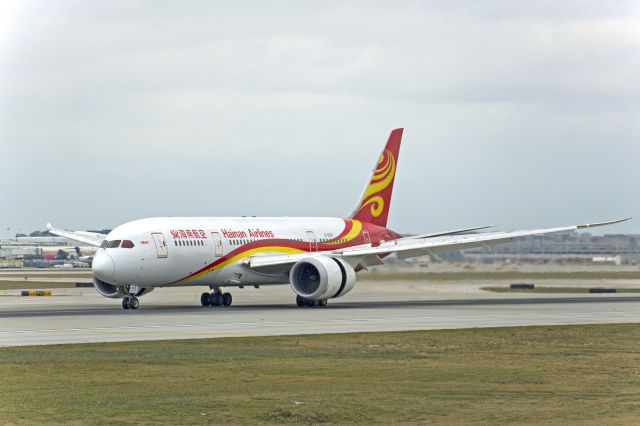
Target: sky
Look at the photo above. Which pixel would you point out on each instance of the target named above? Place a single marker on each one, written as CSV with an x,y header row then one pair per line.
x,y
518,114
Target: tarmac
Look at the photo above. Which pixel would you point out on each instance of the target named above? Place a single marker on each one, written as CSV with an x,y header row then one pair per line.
x,y
82,315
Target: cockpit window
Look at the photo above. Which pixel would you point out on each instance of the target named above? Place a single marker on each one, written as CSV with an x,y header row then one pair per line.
x,y
127,244
104,244
113,244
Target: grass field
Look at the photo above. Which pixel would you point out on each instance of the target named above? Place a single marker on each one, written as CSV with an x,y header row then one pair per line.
x,y
533,375
554,290
497,275
32,284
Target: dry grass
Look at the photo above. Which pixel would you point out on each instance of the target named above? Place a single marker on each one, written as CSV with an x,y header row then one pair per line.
x,y
555,290
33,285
497,276
535,375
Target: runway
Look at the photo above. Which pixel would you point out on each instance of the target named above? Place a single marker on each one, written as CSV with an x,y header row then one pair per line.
x,y
77,316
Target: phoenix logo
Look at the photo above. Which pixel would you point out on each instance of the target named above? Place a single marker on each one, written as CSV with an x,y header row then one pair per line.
x,y
381,179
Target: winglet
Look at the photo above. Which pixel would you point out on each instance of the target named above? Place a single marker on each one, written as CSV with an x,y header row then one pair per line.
x,y
593,225
49,226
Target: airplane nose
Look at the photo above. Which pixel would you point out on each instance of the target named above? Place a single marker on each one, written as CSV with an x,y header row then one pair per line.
x,y
103,267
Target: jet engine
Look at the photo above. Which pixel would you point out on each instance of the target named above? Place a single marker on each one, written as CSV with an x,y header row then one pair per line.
x,y
116,291
322,277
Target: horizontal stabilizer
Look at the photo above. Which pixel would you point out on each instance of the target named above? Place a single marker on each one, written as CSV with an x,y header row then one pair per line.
x,y
453,232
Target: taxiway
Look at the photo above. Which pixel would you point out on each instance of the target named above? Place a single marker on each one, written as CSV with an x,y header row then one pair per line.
x,y
81,315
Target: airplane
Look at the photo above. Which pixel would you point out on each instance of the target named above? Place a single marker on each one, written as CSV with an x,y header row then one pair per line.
x,y
318,256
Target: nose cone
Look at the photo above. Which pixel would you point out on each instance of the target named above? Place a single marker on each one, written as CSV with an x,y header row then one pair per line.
x,y
103,267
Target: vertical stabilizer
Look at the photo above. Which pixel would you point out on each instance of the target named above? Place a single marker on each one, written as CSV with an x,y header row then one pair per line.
x,y
376,200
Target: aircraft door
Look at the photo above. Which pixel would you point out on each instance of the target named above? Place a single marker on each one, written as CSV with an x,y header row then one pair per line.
x,y
365,235
313,244
217,244
161,244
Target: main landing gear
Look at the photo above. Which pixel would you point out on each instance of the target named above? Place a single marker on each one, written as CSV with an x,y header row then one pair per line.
x,y
130,302
303,302
217,298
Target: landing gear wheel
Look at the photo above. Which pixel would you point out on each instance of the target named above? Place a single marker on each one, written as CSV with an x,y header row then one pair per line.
x,y
226,299
133,303
125,303
301,301
216,299
304,302
205,299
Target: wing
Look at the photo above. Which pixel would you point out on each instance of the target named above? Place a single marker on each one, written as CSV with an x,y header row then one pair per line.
x,y
412,247
89,238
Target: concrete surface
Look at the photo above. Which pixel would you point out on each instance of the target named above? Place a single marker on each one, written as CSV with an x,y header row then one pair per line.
x,y
81,315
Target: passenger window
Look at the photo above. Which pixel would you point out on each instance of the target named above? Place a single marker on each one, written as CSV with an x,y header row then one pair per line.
x,y
113,244
127,244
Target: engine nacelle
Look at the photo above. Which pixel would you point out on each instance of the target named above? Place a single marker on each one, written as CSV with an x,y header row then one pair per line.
x,y
116,291
108,290
322,277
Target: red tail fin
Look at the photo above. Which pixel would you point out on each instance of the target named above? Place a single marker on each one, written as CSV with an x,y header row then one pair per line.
x,y
376,200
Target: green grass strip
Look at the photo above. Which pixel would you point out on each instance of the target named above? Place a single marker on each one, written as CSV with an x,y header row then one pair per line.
x,y
532,375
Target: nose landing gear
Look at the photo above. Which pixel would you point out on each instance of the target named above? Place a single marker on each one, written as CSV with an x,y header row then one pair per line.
x,y
217,298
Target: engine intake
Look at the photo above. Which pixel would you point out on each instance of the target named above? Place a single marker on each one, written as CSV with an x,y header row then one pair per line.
x,y
108,290
322,277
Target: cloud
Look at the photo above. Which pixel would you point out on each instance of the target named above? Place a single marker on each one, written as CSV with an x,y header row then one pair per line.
x,y
523,114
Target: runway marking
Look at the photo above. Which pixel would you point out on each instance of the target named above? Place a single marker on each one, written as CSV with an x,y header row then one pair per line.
x,y
550,315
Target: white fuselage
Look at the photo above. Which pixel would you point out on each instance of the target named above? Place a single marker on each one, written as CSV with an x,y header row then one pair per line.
x,y
208,251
